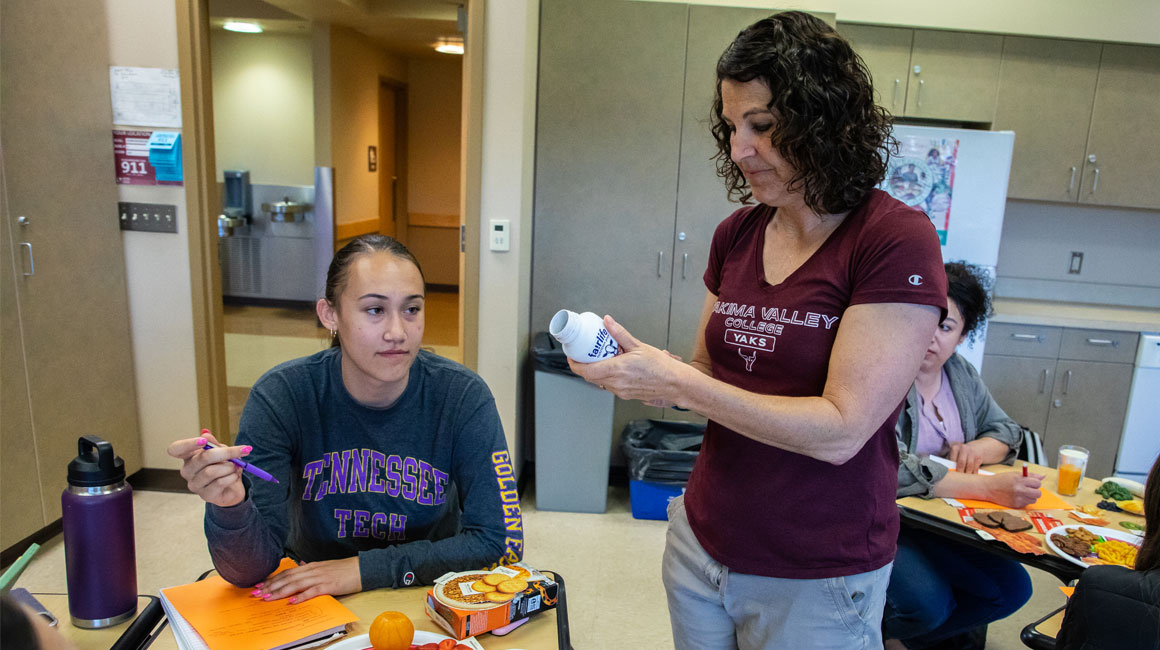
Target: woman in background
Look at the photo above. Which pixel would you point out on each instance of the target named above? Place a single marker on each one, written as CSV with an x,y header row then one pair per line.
x,y
941,589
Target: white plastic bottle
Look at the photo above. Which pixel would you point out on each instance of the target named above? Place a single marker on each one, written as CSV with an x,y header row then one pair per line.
x,y
583,336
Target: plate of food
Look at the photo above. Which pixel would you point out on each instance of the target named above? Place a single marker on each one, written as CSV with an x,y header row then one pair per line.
x,y
1093,545
421,638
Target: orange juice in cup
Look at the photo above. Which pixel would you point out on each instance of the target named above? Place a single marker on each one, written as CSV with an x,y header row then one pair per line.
x,y
1072,463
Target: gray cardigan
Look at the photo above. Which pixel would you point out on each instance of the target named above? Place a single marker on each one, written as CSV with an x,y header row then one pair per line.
x,y
981,418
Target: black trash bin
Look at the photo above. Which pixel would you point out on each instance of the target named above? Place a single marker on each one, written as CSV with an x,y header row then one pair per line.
x,y
661,455
573,429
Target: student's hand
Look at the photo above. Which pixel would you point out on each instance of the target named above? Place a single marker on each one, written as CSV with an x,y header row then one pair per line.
x,y
1013,489
209,473
966,457
303,582
639,372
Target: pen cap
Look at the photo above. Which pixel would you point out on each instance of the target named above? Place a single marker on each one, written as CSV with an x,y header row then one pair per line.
x,y
95,464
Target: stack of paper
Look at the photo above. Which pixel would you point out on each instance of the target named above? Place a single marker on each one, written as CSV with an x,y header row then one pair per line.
x,y
212,614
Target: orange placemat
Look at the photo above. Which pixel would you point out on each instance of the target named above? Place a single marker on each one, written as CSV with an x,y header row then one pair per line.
x,y
1067,591
229,618
1048,500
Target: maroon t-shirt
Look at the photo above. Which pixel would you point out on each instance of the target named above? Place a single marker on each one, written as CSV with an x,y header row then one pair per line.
x,y
765,511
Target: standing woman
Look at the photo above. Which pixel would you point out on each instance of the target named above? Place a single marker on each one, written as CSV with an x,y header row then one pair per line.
x,y
821,300
391,463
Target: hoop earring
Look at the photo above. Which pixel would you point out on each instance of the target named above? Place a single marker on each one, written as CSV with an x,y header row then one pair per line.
x,y
333,334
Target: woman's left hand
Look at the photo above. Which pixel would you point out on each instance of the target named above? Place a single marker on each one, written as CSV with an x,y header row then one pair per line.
x,y
967,458
639,372
303,582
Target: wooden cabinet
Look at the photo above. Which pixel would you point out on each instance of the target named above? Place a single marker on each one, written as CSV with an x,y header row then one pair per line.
x,y
626,195
1070,385
1084,117
67,366
931,74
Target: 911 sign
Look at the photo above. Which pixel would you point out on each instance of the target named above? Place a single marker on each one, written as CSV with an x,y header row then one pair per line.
x,y
131,154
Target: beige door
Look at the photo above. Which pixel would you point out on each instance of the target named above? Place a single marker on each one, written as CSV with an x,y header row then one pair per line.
x,y
67,263
886,52
957,75
1124,138
388,180
1046,89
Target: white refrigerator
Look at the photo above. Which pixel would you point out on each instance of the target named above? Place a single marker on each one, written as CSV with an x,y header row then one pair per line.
x,y
959,178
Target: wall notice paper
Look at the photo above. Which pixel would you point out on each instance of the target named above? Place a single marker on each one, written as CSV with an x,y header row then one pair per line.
x,y
215,615
131,158
145,96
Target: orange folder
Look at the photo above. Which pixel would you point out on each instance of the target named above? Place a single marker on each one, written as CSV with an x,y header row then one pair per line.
x,y
229,618
1048,500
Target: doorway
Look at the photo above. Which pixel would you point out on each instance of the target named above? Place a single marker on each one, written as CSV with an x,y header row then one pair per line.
x,y
259,334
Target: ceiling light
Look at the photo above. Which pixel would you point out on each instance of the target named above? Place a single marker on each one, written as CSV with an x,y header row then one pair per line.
x,y
245,28
449,47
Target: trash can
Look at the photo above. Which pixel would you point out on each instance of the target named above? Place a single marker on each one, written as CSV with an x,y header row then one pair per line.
x,y
661,455
573,422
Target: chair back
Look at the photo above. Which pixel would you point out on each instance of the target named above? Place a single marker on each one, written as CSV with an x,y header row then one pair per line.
x,y
1032,448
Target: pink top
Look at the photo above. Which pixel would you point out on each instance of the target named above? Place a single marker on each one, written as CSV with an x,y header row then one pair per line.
x,y
939,425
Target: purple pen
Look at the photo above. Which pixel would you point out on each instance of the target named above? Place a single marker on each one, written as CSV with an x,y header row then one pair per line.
x,y
246,467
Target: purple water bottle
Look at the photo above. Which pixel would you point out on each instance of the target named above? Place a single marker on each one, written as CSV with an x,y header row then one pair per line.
x,y
100,552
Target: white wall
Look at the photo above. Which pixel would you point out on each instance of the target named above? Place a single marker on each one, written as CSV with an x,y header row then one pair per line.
x,y
263,106
157,265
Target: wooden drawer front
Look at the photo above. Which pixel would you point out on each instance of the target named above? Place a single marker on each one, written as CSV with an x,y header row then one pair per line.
x,y
1097,345
1023,340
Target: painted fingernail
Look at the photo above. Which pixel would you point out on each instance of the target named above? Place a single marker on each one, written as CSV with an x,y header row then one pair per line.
x,y
265,596
201,441
247,449
259,586
256,592
293,600
204,431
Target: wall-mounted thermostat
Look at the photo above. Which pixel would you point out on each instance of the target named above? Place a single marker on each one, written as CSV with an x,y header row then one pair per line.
x,y
500,234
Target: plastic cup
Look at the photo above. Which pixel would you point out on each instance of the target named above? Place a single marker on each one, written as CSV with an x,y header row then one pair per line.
x,y
1072,465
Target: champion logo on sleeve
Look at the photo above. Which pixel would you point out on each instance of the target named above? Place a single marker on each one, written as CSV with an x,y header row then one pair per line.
x,y
915,279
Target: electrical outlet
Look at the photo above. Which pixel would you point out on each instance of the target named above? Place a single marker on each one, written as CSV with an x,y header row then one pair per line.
x,y
149,217
1076,263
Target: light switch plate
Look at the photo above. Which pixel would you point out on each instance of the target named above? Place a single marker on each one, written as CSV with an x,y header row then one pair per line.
x,y
149,217
499,234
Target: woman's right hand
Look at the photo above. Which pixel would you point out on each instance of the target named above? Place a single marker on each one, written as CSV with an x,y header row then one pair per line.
x,y
1013,489
208,472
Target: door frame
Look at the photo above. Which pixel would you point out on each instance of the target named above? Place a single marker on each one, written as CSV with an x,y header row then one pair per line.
x,y
199,163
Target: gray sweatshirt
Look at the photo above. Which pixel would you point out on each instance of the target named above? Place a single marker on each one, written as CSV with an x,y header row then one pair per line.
x,y
981,418
415,490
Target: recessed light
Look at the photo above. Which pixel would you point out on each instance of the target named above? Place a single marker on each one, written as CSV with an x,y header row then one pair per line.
x,y
244,28
449,47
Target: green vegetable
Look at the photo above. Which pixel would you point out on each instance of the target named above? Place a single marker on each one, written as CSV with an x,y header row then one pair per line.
x,y
1114,491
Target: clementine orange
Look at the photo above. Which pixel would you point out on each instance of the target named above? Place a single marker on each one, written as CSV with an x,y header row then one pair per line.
x,y
392,631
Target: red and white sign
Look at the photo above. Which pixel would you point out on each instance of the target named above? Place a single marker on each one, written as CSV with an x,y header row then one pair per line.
x,y
131,155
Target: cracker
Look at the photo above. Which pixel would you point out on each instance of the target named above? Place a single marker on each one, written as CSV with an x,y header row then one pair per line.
x,y
499,596
512,586
482,587
494,579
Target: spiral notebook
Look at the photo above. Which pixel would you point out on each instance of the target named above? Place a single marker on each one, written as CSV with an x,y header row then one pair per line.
x,y
212,614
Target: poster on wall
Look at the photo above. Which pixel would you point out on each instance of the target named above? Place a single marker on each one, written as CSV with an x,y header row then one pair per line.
x,y
145,96
922,175
131,158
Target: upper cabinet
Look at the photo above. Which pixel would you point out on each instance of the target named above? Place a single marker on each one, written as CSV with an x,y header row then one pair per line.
x,y
931,74
1084,117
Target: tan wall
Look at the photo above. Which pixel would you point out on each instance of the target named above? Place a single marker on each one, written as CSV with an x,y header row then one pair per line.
x,y
263,104
356,70
157,265
434,95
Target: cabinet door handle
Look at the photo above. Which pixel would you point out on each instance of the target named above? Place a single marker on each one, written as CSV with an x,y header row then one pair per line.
x,y
1026,337
31,262
660,261
1066,381
1071,183
1043,380
1095,180
684,263
894,99
1102,342
921,85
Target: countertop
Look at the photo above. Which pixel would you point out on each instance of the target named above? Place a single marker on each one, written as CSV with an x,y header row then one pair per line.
x,y
1064,314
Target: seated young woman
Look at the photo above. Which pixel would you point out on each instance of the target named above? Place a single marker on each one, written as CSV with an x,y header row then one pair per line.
x,y
939,589
1116,607
390,461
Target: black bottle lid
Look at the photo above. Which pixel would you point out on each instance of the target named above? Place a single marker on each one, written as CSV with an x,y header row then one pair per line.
x,y
95,464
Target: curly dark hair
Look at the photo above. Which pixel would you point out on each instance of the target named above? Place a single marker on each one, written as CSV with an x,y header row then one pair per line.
x,y
827,125
969,286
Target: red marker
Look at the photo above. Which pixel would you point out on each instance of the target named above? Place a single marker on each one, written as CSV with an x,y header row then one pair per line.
x,y
1024,470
